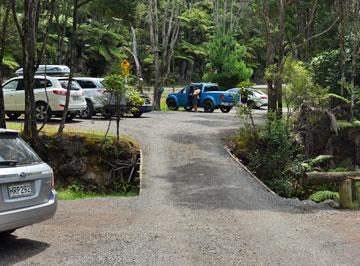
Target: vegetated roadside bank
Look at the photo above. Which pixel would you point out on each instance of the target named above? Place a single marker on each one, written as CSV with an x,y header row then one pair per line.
x,y
320,132
88,165
281,156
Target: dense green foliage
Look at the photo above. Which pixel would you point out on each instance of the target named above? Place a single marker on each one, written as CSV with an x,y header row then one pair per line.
x,y
225,62
273,154
321,196
224,43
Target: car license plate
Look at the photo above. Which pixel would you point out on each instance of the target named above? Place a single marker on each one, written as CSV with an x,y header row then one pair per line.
x,y
19,190
76,98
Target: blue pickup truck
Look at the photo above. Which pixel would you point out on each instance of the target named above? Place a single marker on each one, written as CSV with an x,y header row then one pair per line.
x,y
210,98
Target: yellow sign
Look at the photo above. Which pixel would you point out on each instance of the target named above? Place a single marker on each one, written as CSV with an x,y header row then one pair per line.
x,y
125,68
125,64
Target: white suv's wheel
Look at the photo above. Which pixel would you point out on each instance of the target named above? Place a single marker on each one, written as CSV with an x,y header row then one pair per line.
x,y
43,112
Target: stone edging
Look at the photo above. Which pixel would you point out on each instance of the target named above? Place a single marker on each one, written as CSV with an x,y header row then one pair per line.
x,y
248,171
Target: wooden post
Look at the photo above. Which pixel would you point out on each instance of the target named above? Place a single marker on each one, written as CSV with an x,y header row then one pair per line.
x,y
345,194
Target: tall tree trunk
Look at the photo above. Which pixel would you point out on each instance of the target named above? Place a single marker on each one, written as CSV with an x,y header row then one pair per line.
x,y
62,36
342,26
269,56
31,58
280,63
71,66
2,52
27,34
355,27
136,59
154,40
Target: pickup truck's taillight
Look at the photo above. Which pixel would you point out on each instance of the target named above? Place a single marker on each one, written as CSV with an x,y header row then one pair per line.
x,y
263,97
60,92
222,97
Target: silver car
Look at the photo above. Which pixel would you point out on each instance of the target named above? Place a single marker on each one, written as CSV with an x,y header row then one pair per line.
x,y
27,194
94,91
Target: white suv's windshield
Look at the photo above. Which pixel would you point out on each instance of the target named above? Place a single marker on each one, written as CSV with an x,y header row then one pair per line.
x,y
15,152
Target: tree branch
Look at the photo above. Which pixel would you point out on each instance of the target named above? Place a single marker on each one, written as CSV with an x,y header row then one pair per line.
x,y
16,20
41,53
317,35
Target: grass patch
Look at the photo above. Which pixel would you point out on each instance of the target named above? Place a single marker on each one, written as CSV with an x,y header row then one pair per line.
x,y
52,130
69,194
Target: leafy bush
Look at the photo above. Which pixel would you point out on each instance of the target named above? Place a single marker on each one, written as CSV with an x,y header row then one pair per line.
x,y
276,148
321,196
273,154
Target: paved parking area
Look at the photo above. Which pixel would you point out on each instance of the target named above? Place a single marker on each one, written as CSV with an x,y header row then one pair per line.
x,y
197,207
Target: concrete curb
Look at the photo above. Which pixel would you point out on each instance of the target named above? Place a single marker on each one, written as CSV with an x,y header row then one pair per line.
x,y
141,172
248,171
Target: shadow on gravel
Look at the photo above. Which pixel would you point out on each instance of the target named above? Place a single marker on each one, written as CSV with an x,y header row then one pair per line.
x,y
53,121
206,184
14,250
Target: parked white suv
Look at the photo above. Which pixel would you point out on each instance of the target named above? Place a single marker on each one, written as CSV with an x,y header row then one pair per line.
x,y
50,94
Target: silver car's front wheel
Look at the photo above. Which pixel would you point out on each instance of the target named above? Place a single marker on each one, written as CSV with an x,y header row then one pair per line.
x,y
88,112
43,112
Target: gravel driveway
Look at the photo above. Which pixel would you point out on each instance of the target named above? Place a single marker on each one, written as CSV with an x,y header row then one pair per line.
x,y
197,207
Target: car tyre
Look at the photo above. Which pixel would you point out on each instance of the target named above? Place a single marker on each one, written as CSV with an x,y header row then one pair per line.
x,y
70,117
209,106
171,104
252,104
225,109
43,112
136,114
12,116
88,112
6,234
107,114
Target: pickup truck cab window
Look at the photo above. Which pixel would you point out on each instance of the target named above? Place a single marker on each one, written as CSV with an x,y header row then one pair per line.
x,y
211,88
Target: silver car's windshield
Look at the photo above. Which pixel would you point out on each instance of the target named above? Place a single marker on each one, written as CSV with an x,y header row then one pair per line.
x,y
15,152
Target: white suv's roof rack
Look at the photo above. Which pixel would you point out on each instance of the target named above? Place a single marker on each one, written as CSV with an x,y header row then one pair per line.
x,y
50,70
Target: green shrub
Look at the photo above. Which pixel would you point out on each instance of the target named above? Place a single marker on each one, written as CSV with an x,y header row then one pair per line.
x,y
321,196
276,149
273,154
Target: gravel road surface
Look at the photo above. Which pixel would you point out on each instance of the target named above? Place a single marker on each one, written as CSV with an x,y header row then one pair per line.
x,y
197,207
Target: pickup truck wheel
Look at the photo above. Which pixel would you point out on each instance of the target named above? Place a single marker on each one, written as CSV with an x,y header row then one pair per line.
x,y
209,106
88,112
171,104
43,112
12,116
225,109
